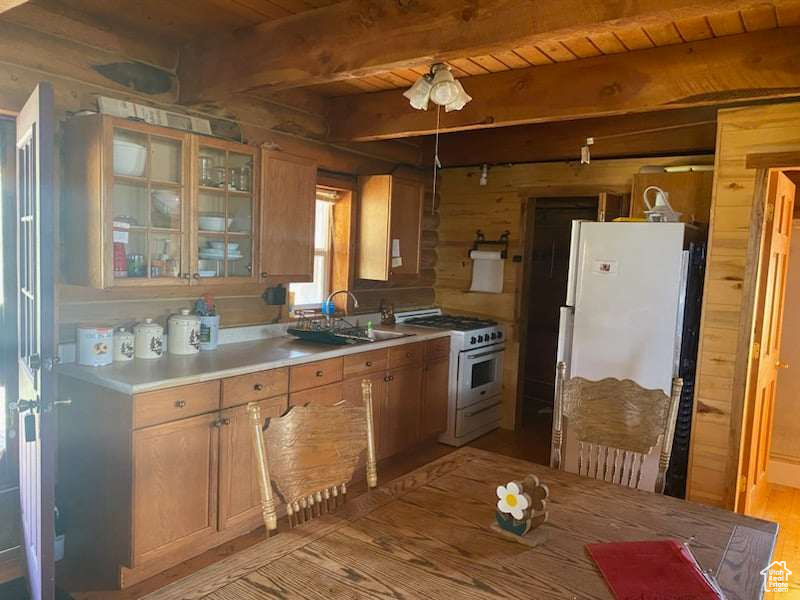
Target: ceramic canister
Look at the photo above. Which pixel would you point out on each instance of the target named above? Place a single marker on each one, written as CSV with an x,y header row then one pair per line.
x,y
184,333
209,332
123,345
148,339
95,346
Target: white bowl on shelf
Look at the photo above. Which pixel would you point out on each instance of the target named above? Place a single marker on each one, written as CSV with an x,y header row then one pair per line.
x,y
214,223
129,158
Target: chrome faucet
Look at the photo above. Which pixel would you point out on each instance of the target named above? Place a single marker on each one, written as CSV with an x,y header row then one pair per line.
x,y
329,318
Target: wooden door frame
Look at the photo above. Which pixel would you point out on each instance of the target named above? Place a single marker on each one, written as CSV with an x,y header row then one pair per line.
x,y
763,163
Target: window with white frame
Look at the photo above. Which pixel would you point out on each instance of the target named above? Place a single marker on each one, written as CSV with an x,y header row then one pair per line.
x,y
311,294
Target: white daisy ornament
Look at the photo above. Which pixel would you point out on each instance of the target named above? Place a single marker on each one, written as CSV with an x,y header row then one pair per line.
x,y
512,501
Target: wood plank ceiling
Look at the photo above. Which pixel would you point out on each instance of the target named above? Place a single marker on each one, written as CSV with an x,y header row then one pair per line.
x,y
614,41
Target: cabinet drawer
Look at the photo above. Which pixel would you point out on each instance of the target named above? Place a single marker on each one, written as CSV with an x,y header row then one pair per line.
x,y
323,372
327,395
406,355
365,362
255,386
437,349
171,404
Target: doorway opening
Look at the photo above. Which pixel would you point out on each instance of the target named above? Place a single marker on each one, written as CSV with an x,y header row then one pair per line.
x,y
768,478
549,227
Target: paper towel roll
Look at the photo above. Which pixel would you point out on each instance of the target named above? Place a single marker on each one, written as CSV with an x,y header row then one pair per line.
x,y
487,271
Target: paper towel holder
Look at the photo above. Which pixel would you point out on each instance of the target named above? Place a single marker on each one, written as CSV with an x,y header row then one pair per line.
x,y
501,241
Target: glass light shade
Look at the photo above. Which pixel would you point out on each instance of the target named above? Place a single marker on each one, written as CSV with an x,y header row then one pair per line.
x,y
444,88
461,99
419,93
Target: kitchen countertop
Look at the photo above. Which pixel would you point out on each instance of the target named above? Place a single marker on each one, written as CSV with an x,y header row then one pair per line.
x,y
143,375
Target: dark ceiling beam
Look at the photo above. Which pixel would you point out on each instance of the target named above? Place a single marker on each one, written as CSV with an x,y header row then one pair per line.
x,y
357,38
764,64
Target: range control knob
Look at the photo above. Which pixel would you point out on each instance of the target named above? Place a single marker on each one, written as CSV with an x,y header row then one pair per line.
x,y
480,339
472,340
494,335
499,335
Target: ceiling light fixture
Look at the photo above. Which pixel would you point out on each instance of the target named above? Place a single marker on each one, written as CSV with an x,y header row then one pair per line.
x,y
440,87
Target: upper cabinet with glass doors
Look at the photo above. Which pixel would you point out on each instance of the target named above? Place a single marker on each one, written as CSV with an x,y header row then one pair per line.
x,y
151,206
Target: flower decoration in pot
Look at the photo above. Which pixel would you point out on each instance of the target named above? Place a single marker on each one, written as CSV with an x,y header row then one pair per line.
x,y
521,505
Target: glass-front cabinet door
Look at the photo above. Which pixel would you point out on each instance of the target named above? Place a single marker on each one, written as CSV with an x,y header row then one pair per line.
x,y
148,192
225,211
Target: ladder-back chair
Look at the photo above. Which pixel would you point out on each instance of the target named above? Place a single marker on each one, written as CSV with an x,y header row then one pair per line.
x,y
616,424
306,457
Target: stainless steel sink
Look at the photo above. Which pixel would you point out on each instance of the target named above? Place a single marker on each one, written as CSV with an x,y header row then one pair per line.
x,y
360,335
380,335
348,335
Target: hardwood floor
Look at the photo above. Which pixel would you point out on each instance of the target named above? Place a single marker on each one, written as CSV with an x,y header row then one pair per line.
x,y
783,507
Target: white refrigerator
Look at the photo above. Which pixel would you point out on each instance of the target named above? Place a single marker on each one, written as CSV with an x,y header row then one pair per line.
x,y
624,312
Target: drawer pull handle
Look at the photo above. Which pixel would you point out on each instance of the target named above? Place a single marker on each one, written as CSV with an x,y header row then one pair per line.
x,y
409,354
226,421
387,378
221,422
180,404
368,363
319,373
258,387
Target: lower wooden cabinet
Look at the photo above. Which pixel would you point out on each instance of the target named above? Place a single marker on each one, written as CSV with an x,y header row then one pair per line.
x,y
352,397
433,409
400,413
239,496
174,485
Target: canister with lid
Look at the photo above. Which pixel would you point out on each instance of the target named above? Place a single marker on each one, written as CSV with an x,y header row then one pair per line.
x,y
95,345
184,333
148,339
123,345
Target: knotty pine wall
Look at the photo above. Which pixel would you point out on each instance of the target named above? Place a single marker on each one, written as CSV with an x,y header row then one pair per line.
x,y
44,46
465,206
719,399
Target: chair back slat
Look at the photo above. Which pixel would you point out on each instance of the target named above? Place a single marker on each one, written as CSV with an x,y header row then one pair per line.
x,y
307,456
616,425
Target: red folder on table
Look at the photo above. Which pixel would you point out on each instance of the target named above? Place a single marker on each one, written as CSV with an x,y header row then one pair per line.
x,y
656,570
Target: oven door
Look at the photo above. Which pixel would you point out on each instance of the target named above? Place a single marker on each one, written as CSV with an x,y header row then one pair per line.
x,y
480,374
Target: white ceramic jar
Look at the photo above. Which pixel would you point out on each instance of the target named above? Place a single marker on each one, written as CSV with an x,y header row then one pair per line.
x,y
148,339
123,345
95,345
184,333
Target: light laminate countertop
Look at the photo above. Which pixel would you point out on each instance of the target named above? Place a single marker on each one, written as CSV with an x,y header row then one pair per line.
x,y
143,375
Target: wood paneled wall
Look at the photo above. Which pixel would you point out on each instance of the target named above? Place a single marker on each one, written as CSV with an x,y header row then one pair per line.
x,y
465,206
719,403
67,57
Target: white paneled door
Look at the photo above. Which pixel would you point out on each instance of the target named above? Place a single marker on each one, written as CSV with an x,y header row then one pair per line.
x,y
36,344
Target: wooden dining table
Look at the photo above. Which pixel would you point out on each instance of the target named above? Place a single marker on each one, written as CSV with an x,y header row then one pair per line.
x,y
428,534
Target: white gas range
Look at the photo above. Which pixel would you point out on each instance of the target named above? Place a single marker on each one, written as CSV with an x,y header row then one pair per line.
x,y
476,372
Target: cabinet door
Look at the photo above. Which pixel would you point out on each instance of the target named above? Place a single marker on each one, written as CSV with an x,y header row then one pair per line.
x,y
407,196
225,213
288,192
689,193
146,202
239,496
400,418
612,206
390,226
433,412
174,485
352,397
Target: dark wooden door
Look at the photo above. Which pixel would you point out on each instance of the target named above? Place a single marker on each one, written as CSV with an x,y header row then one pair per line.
x,y
36,343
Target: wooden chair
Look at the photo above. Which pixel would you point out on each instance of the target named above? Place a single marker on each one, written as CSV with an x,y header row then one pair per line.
x,y
306,457
616,424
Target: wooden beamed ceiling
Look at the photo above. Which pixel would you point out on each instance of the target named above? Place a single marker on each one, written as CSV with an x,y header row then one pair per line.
x,y
757,65
360,38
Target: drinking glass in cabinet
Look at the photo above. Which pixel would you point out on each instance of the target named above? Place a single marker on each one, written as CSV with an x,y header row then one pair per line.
x,y
166,209
165,252
165,160
211,168
130,153
136,254
130,203
240,172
